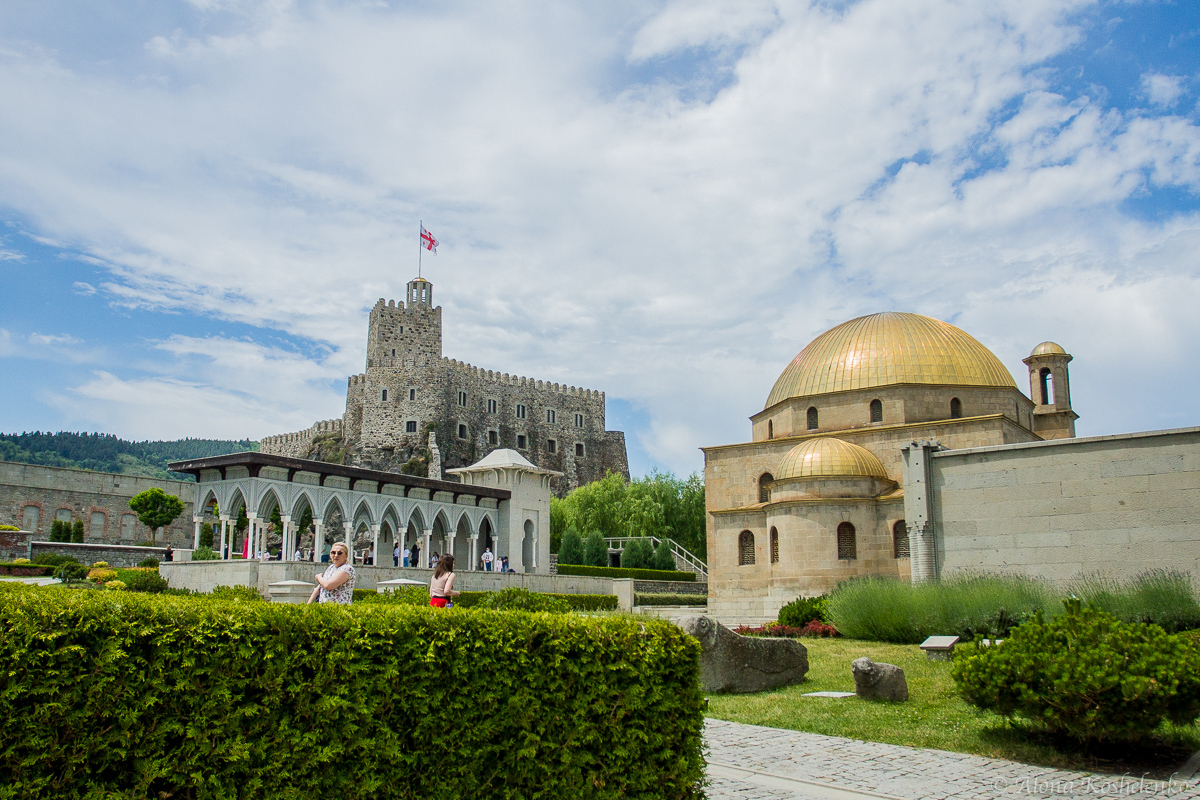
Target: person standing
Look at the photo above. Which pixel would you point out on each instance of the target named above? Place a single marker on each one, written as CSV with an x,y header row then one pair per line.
x,y
441,587
433,560
416,555
487,559
336,584
407,555
396,555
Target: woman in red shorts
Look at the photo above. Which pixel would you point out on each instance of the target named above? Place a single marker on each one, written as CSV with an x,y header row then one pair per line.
x,y
441,588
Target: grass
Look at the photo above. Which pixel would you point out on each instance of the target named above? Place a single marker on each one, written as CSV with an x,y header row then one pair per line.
x,y
934,717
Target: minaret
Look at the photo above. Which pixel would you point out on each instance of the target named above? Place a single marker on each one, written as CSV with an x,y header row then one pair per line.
x,y
1050,390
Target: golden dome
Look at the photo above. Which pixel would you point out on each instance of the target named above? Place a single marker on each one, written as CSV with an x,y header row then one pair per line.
x,y
887,349
828,457
1048,349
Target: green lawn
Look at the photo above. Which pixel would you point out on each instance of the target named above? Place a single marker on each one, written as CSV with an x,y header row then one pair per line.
x,y
934,717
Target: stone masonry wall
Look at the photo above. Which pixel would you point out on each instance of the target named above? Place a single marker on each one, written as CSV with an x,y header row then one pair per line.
x,y
31,497
114,555
298,445
408,386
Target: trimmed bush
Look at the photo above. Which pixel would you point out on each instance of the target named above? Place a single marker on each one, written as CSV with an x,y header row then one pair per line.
x,y
802,611
515,598
9,528
589,602
77,532
71,571
595,549
1084,674
28,568
206,535
54,559
148,562
419,596
203,553
138,581
571,550
619,572
242,593
669,599
104,564
664,559
130,695
101,575
115,586
638,554
21,561
814,629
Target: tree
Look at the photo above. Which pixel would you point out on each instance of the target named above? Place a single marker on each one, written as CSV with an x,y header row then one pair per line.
x,y
595,550
206,536
156,509
77,531
571,551
663,558
639,554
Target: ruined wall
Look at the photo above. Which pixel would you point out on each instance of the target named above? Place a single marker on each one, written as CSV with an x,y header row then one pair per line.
x,y
299,444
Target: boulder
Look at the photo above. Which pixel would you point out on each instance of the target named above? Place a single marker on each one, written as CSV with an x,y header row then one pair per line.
x,y
877,681
733,663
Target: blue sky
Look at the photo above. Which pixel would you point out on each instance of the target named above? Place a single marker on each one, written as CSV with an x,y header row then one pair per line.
x,y
200,200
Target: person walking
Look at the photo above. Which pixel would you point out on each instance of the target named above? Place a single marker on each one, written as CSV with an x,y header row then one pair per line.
x,y
336,584
487,559
441,587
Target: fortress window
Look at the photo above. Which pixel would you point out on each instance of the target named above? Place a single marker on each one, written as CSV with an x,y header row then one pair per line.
x,y
491,406
393,352
876,411
774,546
384,397
462,431
520,411
493,437
402,331
812,418
412,394
955,408
745,548
579,449
551,446
847,542
579,420
521,441
410,426
770,429
1047,384
764,494
899,540
29,517
550,416
462,398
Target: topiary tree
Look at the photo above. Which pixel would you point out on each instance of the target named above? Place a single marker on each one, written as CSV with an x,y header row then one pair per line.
x,y
77,531
664,559
206,535
571,551
595,550
56,531
638,554
156,509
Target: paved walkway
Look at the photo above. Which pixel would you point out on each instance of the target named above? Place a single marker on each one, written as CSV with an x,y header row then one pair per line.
x,y
746,762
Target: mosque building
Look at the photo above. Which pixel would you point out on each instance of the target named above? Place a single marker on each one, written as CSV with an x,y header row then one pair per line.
x,y
898,445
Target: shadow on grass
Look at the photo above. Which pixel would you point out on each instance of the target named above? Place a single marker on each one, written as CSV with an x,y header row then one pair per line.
x,y
1157,755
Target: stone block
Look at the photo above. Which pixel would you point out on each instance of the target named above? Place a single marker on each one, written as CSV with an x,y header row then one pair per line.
x,y
742,664
879,681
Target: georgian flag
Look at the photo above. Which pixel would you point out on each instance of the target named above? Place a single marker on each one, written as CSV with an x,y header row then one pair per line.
x,y
427,240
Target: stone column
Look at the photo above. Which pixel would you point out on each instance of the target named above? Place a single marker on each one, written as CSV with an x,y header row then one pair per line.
x,y
474,549
196,541
318,540
224,531
251,536
375,545
287,547
425,551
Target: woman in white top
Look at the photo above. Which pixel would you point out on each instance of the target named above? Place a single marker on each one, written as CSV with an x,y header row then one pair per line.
x,y
441,588
336,585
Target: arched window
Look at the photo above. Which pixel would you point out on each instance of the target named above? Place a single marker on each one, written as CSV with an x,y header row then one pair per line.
x,y
847,542
812,418
764,493
955,408
1046,378
876,411
770,429
900,540
774,546
745,548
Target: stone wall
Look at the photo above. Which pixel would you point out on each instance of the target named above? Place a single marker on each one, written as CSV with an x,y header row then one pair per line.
x,y
15,544
409,387
114,554
203,576
1116,505
31,497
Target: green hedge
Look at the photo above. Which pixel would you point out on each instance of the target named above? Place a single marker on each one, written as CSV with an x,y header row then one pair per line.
x,y
418,595
669,599
120,695
619,572
7,568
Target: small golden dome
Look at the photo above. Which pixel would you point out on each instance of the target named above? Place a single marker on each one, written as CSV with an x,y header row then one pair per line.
x,y
1048,349
829,457
887,349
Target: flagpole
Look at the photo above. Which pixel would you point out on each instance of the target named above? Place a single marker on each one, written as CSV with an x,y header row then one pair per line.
x,y
420,247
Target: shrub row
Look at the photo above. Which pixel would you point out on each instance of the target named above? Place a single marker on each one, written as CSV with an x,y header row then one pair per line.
x,y
111,694
813,628
669,599
802,611
1084,674
511,599
889,610
28,568
619,572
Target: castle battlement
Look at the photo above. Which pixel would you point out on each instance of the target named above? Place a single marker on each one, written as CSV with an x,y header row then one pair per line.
x,y
491,376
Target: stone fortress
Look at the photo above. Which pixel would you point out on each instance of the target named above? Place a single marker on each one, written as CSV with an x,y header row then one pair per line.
x,y
409,389
898,445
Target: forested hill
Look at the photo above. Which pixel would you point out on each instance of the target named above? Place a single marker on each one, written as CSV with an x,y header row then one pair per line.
x,y
106,453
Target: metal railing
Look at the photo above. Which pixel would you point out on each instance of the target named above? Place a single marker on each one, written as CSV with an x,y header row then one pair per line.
x,y
685,561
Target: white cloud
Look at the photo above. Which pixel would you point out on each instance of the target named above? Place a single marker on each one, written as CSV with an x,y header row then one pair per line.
x,y
84,288
676,253
1162,90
